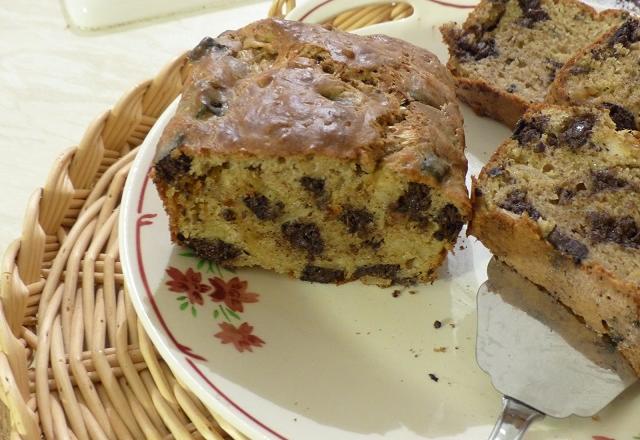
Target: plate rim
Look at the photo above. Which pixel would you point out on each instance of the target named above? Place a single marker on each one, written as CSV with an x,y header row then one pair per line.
x,y
130,220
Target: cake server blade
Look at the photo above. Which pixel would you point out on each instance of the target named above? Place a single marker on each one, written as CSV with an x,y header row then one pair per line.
x,y
540,356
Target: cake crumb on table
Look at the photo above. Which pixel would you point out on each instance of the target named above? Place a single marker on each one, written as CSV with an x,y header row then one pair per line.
x,y
433,377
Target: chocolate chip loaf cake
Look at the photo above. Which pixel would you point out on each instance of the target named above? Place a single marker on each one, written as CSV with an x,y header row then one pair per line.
x,y
605,73
560,203
319,154
507,53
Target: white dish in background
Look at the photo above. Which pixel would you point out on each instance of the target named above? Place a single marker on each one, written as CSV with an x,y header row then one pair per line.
x,y
92,15
316,361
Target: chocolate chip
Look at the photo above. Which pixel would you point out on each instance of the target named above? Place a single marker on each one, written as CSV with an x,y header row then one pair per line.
x,y
173,164
613,338
435,166
318,274
606,180
450,222
433,377
262,207
467,47
228,214
387,271
540,147
623,118
532,13
603,52
214,250
528,5
579,70
316,187
568,246
530,130
621,230
626,34
478,192
437,324
553,67
356,219
511,88
373,242
415,200
206,44
565,195
496,171
577,130
305,236
516,202
406,281
212,102
312,184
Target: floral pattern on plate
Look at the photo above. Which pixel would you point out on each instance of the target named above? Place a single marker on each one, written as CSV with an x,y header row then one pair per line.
x,y
229,298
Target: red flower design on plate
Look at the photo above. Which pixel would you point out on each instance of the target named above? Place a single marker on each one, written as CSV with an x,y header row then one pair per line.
x,y
189,282
233,293
601,437
241,337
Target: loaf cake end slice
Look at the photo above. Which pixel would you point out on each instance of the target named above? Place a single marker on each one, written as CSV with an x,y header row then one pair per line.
x,y
605,73
507,52
319,154
560,203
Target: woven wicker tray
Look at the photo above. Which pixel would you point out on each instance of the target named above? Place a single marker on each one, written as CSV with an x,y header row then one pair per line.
x,y
76,363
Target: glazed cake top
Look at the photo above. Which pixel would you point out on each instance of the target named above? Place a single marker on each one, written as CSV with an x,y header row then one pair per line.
x,y
278,87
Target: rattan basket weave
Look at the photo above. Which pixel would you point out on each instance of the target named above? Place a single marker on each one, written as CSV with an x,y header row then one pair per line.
x,y
75,362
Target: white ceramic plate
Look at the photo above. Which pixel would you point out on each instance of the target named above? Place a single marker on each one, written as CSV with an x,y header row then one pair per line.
x,y
280,358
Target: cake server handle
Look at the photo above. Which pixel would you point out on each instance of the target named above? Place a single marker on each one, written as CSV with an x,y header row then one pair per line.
x,y
514,420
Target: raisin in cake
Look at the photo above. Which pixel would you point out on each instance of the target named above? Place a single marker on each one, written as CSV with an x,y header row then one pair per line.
x,y
506,54
560,203
606,74
316,153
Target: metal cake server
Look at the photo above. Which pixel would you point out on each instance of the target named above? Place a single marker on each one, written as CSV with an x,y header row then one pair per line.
x,y
540,356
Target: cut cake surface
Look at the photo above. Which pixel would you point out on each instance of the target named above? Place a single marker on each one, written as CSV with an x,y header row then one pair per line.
x,y
606,73
507,52
560,203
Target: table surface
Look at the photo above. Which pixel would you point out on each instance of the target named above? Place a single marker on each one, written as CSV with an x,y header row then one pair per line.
x,y
55,81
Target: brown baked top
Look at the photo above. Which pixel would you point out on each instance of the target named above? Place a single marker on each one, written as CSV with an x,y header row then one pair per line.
x,y
279,87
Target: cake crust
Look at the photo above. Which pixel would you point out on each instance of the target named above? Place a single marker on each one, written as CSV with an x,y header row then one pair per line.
x,y
296,110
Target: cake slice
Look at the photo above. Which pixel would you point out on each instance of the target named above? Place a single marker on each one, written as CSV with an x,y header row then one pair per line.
x,y
560,203
605,73
507,53
318,154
